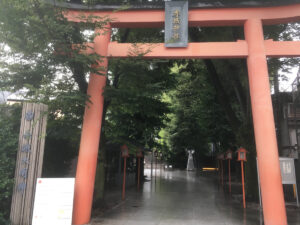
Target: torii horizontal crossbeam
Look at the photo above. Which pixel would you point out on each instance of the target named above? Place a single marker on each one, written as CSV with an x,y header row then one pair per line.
x,y
202,50
197,17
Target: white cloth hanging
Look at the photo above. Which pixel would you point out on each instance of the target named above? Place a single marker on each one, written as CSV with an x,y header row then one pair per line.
x,y
190,162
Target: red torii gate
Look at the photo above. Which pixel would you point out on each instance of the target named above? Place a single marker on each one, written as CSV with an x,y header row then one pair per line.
x,y
254,48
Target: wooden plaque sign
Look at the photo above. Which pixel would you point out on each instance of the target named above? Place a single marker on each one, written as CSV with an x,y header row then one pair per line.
x,y
242,154
125,151
229,154
176,24
139,154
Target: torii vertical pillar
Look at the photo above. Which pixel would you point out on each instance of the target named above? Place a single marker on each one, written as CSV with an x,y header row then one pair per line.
x,y
264,128
90,137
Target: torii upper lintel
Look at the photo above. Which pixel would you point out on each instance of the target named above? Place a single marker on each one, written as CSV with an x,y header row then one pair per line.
x,y
197,16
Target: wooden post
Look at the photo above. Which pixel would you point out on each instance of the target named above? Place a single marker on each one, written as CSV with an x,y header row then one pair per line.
x,y
152,163
29,161
219,169
243,184
124,179
139,155
222,173
139,173
155,166
229,176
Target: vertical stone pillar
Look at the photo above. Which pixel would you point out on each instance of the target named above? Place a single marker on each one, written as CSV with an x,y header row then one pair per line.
x,y
264,127
90,136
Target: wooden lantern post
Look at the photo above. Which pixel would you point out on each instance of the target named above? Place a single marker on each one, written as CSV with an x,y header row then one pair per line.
x,y
242,157
125,155
229,157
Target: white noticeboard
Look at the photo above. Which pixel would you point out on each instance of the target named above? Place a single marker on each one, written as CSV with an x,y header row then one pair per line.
x,y
53,203
288,175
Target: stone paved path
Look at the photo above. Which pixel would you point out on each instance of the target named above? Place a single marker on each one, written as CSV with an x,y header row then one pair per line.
x,y
180,198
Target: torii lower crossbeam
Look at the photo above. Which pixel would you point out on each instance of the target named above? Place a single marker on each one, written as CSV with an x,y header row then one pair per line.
x,y
202,50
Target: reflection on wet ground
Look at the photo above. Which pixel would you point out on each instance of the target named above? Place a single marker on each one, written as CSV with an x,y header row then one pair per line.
x,y
180,198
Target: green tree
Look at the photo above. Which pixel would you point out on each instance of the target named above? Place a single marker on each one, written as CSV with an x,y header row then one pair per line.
x,y
197,118
9,132
136,108
37,56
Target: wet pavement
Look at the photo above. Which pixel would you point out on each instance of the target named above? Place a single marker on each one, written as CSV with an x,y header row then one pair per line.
x,y
180,198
